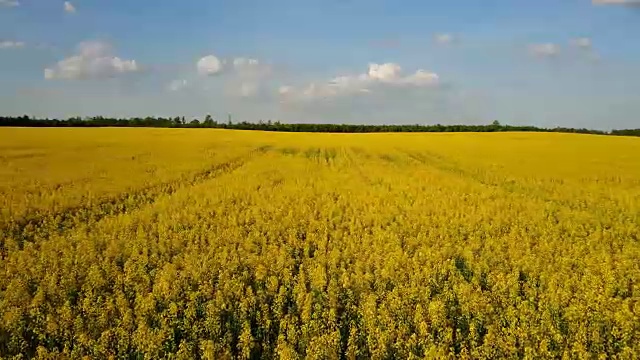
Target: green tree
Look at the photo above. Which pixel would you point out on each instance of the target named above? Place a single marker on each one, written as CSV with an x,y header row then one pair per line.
x,y
208,120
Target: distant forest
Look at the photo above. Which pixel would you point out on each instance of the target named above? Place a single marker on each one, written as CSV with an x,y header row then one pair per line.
x,y
209,122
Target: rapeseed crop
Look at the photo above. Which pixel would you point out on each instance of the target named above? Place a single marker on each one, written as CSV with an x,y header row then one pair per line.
x,y
214,244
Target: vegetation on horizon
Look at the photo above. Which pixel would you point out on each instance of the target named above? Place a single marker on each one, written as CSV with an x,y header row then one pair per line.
x,y
209,122
175,243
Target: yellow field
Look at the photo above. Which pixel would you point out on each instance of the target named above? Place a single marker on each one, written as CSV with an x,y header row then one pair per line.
x,y
153,243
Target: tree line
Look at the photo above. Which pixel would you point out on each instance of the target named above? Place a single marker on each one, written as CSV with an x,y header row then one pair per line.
x,y
209,122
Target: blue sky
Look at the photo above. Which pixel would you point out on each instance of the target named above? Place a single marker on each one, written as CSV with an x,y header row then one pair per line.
x,y
546,62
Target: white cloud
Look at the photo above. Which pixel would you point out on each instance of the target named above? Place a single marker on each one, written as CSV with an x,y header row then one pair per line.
x,y
582,43
240,63
69,8
444,39
177,85
9,3
617,2
11,44
387,75
250,68
239,77
209,65
421,78
340,86
544,50
240,66
243,77
94,59
248,77
388,72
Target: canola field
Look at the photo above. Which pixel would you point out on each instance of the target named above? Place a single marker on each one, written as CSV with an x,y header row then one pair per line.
x,y
215,244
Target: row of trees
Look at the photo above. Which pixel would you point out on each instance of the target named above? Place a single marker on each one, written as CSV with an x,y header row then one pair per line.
x,y
209,122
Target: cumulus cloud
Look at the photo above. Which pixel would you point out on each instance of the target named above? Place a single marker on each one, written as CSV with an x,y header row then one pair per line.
x,y
617,2
582,43
251,68
69,8
378,75
244,63
209,65
9,3
248,77
245,67
544,50
242,76
421,78
388,72
391,73
443,38
11,44
94,59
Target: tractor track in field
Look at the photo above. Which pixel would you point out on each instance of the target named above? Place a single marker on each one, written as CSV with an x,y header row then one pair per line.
x,y
42,225
441,163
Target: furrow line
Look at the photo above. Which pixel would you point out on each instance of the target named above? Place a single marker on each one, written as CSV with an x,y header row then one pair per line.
x,y
40,226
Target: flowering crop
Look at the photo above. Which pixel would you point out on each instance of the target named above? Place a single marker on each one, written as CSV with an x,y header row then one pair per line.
x,y
214,244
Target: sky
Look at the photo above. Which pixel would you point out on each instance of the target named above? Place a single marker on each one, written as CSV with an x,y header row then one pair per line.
x,y
547,63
